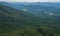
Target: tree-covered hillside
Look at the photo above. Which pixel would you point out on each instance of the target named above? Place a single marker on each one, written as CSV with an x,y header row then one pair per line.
x,y
22,23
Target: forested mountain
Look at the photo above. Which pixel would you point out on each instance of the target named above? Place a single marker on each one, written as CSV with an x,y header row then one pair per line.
x,y
14,22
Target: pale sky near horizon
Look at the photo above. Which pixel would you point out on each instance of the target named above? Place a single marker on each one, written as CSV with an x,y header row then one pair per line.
x,y
31,0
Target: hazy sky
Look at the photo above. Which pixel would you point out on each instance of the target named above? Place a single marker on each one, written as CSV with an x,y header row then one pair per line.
x,y
31,0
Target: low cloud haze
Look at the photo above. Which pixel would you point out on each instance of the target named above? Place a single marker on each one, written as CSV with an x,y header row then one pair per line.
x,y
31,0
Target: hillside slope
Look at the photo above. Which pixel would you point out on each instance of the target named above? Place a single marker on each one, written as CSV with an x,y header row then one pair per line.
x,y
22,23
11,16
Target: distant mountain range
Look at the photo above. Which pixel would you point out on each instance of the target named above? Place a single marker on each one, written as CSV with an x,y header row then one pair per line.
x,y
40,8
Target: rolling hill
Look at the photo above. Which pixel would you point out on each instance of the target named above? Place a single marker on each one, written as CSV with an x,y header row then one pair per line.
x,y
15,22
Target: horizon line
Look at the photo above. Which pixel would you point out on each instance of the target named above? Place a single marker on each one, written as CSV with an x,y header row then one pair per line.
x,y
25,1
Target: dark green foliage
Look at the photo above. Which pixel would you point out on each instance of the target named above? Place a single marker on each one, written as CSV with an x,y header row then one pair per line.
x,y
21,23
